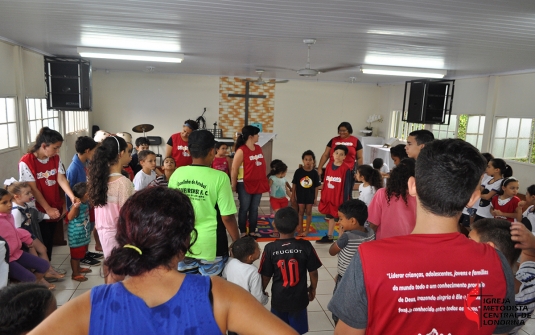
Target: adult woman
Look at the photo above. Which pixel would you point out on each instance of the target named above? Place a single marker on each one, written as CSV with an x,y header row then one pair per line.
x,y
392,211
153,233
108,189
354,149
42,169
249,181
177,145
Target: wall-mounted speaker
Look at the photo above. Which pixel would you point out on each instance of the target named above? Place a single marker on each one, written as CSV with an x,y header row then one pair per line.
x,y
429,101
68,82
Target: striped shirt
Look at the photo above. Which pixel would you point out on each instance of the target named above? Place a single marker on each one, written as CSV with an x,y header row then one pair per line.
x,y
525,298
348,243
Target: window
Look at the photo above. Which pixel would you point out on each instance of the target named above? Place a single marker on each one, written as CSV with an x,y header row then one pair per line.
x,y
442,131
39,116
514,139
470,128
9,136
75,121
400,129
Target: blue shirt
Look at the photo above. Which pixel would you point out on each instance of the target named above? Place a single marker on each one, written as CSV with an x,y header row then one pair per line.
x,y
75,174
114,310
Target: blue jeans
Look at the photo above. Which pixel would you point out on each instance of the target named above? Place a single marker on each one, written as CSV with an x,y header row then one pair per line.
x,y
248,203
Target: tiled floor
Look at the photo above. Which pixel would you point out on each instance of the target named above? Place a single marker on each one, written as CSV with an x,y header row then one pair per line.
x,y
320,320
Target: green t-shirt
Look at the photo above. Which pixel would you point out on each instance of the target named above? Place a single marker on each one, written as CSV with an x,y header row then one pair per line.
x,y
206,188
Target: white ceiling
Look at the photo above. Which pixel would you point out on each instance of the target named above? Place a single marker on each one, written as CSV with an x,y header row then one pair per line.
x,y
234,37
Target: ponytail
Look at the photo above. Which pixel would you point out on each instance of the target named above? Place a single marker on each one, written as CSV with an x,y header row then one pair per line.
x,y
371,176
246,132
277,167
16,187
106,154
47,136
505,170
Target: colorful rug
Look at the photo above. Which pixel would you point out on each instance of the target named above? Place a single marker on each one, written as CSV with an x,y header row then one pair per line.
x,y
318,228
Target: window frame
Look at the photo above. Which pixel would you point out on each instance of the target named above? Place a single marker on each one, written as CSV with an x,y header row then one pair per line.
x,y
516,138
16,122
57,117
76,121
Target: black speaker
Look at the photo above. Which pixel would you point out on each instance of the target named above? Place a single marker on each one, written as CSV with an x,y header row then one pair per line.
x,y
429,101
68,81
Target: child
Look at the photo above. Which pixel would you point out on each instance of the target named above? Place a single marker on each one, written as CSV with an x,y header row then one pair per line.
x,y
108,190
240,269
379,165
28,218
142,143
497,169
77,173
23,307
221,160
469,214
371,181
169,166
20,261
336,189
79,232
306,182
287,260
398,153
502,235
127,168
277,184
353,214
147,159
505,206
528,217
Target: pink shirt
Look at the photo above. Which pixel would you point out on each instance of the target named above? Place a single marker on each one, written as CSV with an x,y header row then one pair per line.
x,y
119,191
394,218
13,236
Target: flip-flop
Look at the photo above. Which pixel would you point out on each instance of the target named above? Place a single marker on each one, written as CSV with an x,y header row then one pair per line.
x,y
80,278
85,270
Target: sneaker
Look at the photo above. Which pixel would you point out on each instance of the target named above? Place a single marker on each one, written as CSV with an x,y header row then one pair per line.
x,y
90,261
325,239
94,255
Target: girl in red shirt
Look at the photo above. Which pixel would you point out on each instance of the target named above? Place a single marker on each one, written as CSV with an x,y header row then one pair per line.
x,y
505,206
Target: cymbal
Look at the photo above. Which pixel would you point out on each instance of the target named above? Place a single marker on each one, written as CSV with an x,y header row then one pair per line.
x,y
142,128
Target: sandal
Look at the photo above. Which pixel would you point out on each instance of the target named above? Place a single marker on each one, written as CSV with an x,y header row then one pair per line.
x,y
85,270
255,235
80,278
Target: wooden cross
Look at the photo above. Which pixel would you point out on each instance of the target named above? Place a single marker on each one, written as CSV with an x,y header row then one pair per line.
x,y
247,96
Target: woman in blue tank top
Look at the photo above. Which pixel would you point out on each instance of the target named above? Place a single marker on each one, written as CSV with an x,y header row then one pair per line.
x,y
153,234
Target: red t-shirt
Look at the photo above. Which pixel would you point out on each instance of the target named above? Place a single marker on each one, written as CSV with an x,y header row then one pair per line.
x,y
254,170
180,151
351,143
418,283
509,207
332,193
221,164
46,179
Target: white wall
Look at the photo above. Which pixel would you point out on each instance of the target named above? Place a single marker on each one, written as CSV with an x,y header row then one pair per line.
x,y
122,100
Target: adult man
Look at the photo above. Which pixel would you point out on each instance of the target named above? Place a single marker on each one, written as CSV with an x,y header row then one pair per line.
x,y
213,202
416,141
429,281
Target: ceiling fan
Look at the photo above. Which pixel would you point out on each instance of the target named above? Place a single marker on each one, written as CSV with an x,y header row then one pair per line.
x,y
261,81
308,72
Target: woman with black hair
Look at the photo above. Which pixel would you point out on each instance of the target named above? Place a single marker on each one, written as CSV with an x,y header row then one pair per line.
x,y
43,170
392,211
177,145
108,189
397,153
248,178
354,151
153,234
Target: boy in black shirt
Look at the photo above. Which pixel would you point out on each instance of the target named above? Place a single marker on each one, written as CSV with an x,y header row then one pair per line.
x,y
305,190
288,260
